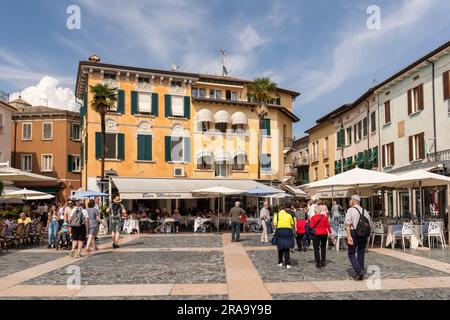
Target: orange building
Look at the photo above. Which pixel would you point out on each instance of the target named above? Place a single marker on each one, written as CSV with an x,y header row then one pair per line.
x,y
46,141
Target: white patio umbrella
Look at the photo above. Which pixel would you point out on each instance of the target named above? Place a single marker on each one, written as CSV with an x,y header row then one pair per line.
x,y
219,191
12,174
23,194
46,197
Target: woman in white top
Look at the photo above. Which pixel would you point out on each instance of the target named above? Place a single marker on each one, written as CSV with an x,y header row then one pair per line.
x,y
264,215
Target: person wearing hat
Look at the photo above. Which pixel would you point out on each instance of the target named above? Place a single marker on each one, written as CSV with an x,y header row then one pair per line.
x,y
116,210
356,243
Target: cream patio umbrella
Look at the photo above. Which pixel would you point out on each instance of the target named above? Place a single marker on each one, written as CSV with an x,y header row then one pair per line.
x,y
23,194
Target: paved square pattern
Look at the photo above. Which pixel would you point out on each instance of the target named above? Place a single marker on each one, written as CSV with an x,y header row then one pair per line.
x,y
210,266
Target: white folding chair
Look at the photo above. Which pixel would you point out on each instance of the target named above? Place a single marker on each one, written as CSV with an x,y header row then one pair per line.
x,y
378,230
435,230
407,232
341,234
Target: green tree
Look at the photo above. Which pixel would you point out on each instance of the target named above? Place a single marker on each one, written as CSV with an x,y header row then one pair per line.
x,y
104,99
1,187
261,91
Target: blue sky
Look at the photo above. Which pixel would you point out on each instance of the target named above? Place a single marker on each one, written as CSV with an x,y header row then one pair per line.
x,y
321,48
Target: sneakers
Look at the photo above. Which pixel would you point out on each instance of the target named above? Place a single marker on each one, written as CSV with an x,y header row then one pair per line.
x,y
49,247
358,277
115,246
72,254
280,265
318,265
288,266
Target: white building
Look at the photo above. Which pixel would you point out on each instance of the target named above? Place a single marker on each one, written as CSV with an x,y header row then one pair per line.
x,y
414,117
6,111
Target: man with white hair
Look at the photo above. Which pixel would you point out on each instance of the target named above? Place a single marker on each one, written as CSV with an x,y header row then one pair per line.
x,y
235,216
264,215
357,225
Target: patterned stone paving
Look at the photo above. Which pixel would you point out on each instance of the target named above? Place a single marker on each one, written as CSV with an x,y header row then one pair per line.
x,y
410,294
21,260
144,268
436,254
253,240
338,267
168,241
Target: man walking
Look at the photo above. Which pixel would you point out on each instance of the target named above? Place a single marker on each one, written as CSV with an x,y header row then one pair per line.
x,y
358,226
116,210
235,214
264,216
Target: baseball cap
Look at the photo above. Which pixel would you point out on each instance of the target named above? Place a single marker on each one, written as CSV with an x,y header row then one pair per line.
x,y
356,197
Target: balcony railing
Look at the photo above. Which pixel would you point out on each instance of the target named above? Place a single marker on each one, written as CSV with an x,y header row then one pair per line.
x,y
289,170
287,142
325,154
301,161
443,155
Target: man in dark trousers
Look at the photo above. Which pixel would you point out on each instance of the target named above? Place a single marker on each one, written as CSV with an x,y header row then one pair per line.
x,y
356,241
235,216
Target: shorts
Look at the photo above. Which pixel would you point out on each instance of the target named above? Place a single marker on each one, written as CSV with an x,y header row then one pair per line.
x,y
93,228
78,233
115,225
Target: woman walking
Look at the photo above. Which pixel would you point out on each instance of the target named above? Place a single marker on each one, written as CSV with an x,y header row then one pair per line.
x,y
284,235
320,228
53,226
94,220
264,215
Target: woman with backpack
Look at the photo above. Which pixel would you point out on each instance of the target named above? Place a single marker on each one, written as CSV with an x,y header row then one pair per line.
x,y
320,229
284,235
79,221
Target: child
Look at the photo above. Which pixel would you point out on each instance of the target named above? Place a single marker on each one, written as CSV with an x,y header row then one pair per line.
x,y
301,231
244,221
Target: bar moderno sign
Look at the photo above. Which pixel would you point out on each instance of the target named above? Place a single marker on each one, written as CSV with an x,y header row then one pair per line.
x,y
162,195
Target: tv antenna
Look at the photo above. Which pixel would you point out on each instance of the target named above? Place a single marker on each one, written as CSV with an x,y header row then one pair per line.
x,y
174,67
225,71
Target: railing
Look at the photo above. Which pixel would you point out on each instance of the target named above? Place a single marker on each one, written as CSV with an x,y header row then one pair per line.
x,y
287,142
289,170
113,83
443,155
325,154
301,161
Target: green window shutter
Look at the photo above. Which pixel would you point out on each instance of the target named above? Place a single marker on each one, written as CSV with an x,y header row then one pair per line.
x,y
134,102
155,104
187,149
168,148
373,122
266,127
144,147
168,105
98,145
140,147
365,123
149,149
86,148
69,163
355,133
278,101
120,146
187,107
121,101
350,136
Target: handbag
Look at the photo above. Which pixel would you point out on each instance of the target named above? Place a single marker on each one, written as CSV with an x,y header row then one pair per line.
x,y
313,229
274,237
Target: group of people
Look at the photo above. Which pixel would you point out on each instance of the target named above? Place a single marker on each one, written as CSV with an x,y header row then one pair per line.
x,y
301,224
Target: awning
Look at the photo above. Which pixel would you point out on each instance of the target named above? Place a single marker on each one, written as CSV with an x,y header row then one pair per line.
x,y
205,115
239,118
347,163
174,188
373,155
239,152
12,174
337,165
295,191
222,116
359,159
203,153
221,155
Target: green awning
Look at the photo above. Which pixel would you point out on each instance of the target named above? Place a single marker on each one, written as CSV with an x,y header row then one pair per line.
x,y
347,162
373,155
359,159
337,165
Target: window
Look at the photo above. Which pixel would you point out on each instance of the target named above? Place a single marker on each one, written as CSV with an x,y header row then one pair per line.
x,y
387,112
238,128
446,84
415,99
417,147
111,146
47,163
231,95
198,92
359,130
388,155
110,75
177,106
221,127
325,148
74,163
266,162
266,127
26,131
176,83
204,126
26,162
315,151
365,127
1,122
239,162
1,156
47,131
316,174
340,138
349,136
215,94
144,102
220,169
75,132
373,122
144,146
177,149
115,107
143,80
204,162
327,170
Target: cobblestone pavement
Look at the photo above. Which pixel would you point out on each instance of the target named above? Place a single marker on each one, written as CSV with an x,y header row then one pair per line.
x,y
410,294
143,268
338,267
204,271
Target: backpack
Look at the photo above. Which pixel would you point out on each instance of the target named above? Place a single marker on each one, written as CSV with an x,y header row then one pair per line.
x,y
363,226
116,211
77,219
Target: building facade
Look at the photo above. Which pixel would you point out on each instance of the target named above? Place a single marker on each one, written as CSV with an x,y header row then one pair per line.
x,y
46,141
300,157
182,126
6,112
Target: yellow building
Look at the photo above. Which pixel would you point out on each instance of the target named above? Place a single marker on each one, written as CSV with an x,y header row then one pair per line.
x,y
193,129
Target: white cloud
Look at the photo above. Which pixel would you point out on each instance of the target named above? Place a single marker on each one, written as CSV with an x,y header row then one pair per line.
x,y
49,89
250,39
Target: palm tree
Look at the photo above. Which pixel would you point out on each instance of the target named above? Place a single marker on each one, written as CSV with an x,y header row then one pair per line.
x,y
1,187
261,91
103,99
